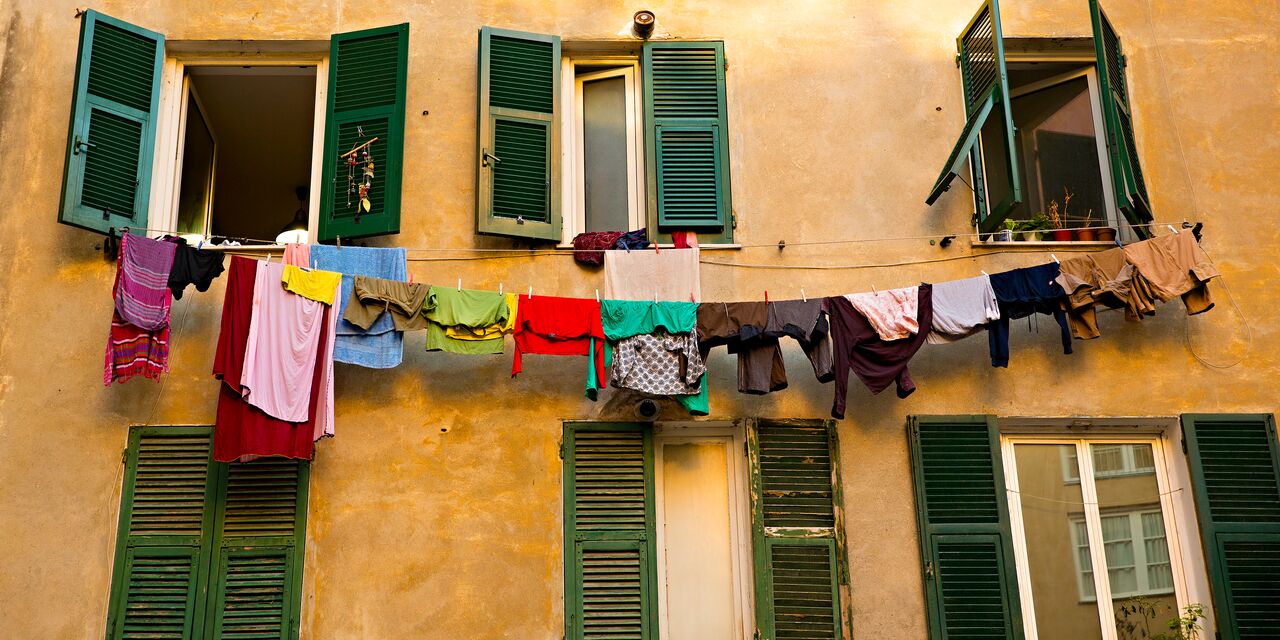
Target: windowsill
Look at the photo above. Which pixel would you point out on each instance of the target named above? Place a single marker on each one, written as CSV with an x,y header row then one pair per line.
x,y
709,247
1040,244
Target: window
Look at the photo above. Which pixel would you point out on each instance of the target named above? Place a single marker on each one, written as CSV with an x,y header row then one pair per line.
x,y
662,523
206,549
612,136
1110,460
1046,136
174,138
1109,531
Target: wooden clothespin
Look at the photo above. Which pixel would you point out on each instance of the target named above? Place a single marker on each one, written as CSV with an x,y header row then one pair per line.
x,y
597,295
984,273
459,284
1171,229
1055,258
500,285
803,298
531,293
339,243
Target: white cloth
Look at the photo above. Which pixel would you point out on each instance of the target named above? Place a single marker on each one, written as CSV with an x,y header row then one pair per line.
x,y
962,308
893,313
642,274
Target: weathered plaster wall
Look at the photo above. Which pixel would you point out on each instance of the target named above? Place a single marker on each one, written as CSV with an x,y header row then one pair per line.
x,y
434,514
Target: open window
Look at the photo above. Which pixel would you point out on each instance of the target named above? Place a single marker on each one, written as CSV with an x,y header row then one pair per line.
x,y
611,136
1048,137
233,139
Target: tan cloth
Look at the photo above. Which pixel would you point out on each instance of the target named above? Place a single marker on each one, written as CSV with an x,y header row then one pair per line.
x,y
1104,278
643,274
1170,266
371,297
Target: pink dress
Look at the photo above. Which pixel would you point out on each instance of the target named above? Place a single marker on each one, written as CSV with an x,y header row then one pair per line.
x,y
285,336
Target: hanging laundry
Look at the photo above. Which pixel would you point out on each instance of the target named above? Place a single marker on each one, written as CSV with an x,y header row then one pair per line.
x,y
1103,278
648,275
297,254
877,362
892,312
732,323
684,239
242,431
1020,294
1172,266
562,327
138,339
380,346
491,332
631,240
312,284
761,368
483,315
371,297
142,281
589,248
284,342
962,308
192,266
655,350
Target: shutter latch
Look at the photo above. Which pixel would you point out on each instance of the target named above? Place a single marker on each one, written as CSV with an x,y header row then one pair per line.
x,y
81,146
928,569
488,159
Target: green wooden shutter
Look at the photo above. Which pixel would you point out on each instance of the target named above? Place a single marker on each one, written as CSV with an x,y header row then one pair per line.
x,y
687,131
261,527
970,584
1122,149
111,139
1235,470
367,71
162,547
517,162
986,96
797,523
610,563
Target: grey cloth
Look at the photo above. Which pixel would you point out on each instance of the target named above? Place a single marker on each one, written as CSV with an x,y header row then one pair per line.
x,y
962,308
662,364
760,366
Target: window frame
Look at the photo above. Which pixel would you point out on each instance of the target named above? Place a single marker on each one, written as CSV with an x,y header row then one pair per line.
x,y
1189,578
166,174
1141,563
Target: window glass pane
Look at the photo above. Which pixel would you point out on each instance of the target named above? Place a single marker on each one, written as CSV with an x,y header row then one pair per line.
x,y
697,539
1143,460
604,142
1057,544
197,171
1133,532
1107,459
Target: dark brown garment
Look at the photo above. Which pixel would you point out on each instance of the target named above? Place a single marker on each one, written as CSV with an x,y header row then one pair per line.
x,y
877,363
371,297
753,330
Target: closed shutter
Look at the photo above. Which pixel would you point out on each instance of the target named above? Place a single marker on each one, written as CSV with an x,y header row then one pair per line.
x,y
518,183
970,583
1235,470
261,523
111,139
366,100
684,96
1122,149
801,574
162,547
987,112
609,538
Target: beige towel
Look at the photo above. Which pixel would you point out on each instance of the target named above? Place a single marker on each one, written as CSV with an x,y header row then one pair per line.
x,y
642,274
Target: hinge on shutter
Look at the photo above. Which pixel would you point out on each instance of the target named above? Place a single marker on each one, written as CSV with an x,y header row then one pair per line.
x,y
726,64
733,218
1182,428
928,570
562,449
957,60
124,456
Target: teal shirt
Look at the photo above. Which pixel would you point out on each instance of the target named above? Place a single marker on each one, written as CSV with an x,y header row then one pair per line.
x,y
626,318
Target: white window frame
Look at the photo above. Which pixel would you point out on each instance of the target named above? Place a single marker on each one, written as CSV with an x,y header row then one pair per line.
x,y
1140,562
733,437
573,171
166,174
1186,563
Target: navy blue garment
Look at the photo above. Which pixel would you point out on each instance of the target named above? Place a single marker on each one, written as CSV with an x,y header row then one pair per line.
x,y
1020,293
638,239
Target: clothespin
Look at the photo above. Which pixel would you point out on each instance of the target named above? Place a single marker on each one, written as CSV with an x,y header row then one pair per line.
x,y
1169,226
1055,258
984,273
459,284
530,293
766,296
268,258
803,297
655,296
500,288
339,243
410,277
597,295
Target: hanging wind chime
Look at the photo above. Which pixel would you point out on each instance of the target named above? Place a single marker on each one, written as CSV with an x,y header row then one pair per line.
x,y
357,156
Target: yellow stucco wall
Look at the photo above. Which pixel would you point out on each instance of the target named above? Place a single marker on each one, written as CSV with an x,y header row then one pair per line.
x,y
435,512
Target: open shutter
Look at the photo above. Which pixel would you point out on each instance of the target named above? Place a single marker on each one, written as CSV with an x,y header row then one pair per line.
x,y
163,545
517,162
609,539
687,131
366,99
988,134
797,523
1126,170
111,139
261,526
970,584
1235,470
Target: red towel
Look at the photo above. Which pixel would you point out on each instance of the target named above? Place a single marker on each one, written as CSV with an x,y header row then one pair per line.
x,y
560,327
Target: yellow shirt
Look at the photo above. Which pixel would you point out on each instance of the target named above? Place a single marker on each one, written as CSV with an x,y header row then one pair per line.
x,y
321,286
492,331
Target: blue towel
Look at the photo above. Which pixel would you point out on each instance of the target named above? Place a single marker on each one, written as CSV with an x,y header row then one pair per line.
x,y
381,347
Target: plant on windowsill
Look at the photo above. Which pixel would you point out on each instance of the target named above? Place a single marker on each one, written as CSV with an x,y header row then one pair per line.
x,y
1057,233
1087,232
1135,615
1006,234
1036,228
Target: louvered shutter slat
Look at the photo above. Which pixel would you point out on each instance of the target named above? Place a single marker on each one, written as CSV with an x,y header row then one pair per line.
x,y
1126,168
107,175
1235,470
368,71
971,587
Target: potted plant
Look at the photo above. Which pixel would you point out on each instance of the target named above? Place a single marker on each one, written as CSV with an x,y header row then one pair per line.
x,y
1087,233
1058,234
1006,234
1107,234
1039,224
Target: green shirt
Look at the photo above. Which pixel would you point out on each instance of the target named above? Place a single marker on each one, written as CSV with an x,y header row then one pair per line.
x,y
626,318
466,310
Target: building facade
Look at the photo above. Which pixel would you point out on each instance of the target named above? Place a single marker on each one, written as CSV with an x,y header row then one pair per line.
x,y
801,140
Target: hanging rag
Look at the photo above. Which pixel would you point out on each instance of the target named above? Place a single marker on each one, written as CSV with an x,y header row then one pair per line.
x,y
589,248
371,297
645,275
1104,278
243,432
1172,266
484,317
877,362
192,266
134,352
655,350
284,343
1021,293
564,327
141,289
312,284
962,308
380,346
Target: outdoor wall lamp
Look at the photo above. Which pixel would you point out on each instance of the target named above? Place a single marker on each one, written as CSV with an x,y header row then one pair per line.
x,y
642,23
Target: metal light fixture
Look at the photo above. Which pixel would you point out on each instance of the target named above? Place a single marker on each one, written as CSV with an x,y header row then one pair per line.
x,y
642,23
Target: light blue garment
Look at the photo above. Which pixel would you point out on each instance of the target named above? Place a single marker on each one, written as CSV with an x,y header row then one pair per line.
x,y
381,347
